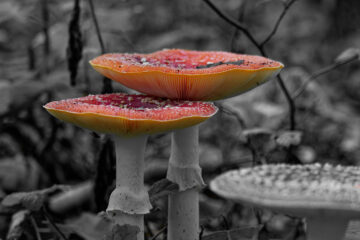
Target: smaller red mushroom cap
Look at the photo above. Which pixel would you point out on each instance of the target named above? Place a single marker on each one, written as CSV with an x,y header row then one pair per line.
x,y
130,115
188,75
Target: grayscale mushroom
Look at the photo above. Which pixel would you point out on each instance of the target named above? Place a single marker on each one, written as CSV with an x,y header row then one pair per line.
x,y
327,196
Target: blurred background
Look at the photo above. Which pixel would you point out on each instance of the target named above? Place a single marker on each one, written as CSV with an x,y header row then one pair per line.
x,y
317,40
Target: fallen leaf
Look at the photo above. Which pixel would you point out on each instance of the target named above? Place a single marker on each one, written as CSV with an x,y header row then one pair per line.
x,y
16,228
162,188
32,201
88,226
347,55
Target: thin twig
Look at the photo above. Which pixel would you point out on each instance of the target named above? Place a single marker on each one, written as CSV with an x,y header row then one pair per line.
x,y
148,228
287,5
107,86
158,233
37,233
290,101
230,112
234,23
240,18
126,39
226,223
53,224
320,72
98,32
253,152
202,229
263,53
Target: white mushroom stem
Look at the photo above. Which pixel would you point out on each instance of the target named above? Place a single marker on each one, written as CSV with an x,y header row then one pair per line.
x,y
320,228
184,169
130,201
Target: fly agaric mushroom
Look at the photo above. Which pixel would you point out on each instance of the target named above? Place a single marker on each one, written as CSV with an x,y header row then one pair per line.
x,y
327,196
187,75
131,118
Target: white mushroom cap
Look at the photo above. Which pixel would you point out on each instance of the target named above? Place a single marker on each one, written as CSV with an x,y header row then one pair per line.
x,y
301,190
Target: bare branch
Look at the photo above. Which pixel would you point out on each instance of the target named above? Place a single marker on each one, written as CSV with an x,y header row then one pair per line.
x,y
230,112
320,72
287,5
290,100
235,23
261,49
53,224
240,18
98,32
36,230
107,87
158,233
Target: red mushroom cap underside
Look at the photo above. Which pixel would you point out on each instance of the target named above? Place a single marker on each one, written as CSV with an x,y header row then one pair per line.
x,y
185,74
130,115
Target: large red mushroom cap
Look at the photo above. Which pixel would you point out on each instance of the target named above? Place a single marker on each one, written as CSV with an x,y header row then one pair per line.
x,y
130,115
185,74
